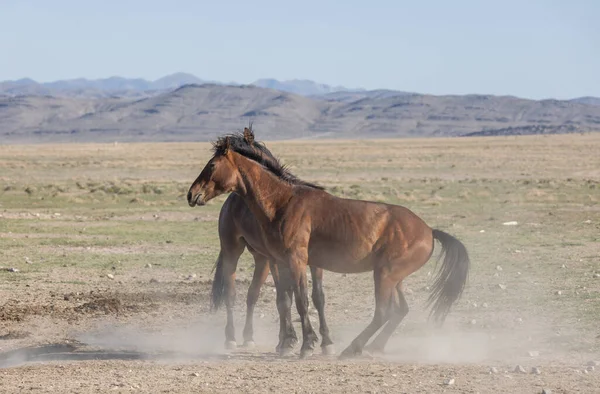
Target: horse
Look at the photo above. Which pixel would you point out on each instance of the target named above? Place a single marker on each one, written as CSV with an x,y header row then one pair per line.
x,y
301,225
238,229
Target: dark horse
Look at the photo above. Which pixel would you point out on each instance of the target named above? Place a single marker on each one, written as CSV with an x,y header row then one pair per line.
x,y
302,225
238,229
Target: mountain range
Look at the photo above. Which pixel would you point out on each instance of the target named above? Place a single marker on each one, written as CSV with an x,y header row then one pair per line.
x,y
199,112
138,87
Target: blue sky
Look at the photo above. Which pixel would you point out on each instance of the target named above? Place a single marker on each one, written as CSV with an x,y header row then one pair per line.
x,y
527,48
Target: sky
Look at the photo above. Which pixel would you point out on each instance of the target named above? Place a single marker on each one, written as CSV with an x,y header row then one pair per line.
x,y
528,48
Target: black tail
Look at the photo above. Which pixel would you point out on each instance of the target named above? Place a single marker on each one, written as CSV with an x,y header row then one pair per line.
x,y
451,278
218,285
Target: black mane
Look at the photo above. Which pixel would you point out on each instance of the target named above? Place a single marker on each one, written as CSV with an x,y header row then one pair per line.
x,y
259,153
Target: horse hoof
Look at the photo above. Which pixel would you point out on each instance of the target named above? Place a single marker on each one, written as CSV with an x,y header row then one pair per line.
x,y
230,345
349,353
249,344
306,353
345,356
374,352
328,350
286,352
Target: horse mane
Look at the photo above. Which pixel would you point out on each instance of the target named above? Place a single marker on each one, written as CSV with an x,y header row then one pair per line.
x,y
258,152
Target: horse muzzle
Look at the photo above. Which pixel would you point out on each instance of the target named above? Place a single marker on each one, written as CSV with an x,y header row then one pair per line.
x,y
198,199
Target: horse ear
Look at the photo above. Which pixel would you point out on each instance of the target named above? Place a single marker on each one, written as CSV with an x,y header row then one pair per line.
x,y
248,135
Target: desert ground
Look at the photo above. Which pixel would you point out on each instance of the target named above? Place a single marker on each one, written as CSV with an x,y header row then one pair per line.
x,y
106,271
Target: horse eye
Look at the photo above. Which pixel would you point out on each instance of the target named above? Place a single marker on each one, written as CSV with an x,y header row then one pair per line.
x,y
212,166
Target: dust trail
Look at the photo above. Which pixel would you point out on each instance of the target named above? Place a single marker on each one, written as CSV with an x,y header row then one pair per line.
x,y
433,347
191,339
458,342
179,339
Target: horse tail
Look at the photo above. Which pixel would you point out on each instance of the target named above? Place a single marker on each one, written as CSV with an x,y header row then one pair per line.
x,y
218,285
451,277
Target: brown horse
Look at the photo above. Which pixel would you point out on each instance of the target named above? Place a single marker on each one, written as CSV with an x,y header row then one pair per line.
x,y
238,229
301,225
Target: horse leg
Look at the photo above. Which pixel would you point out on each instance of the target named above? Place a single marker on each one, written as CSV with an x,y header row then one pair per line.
x,y
318,297
287,334
384,287
399,311
261,271
230,259
297,265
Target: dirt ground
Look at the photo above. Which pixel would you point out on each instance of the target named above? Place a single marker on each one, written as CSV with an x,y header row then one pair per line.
x,y
105,271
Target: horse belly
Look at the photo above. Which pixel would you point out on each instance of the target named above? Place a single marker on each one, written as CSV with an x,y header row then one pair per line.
x,y
342,260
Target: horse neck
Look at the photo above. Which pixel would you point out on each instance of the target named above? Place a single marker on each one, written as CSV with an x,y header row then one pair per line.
x,y
263,192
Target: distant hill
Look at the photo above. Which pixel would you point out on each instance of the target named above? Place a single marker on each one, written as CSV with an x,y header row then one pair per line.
x,y
587,100
200,112
300,86
348,96
137,87
95,88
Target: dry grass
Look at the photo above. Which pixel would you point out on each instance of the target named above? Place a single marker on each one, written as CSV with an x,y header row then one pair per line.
x,y
79,212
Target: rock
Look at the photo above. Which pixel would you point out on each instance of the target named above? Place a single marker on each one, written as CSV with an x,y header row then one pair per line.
x,y
148,265
110,276
535,371
519,369
196,374
485,305
593,363
153,280
563,266
511,223
533,353
473,322
518,273
27,261
546,391
596,275
519,320
496,275
503,287
449,382
493,370
498,268
192,276
482,231
558,292
591,368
